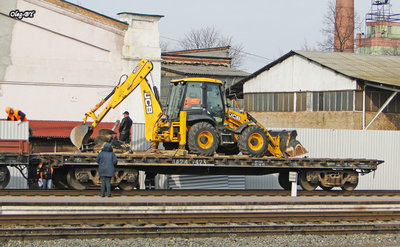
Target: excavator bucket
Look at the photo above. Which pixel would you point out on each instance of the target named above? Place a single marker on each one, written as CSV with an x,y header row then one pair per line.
x,y
288,143
80,134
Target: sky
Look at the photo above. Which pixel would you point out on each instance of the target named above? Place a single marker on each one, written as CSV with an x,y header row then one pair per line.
x,y
267,29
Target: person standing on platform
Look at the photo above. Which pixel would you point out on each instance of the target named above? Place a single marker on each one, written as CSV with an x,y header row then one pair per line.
x,y
107,161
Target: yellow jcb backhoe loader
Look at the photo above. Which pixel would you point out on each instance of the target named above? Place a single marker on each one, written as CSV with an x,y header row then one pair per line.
x,y
195,118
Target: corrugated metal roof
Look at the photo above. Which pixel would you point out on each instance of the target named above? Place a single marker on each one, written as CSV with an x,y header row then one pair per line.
x,y
196,70
374,68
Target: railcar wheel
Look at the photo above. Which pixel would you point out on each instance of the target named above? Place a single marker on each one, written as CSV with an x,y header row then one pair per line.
x,y
306,185
350,186
4,177
60,179
203,139
124,185
73,182
326,188
253,141
283,180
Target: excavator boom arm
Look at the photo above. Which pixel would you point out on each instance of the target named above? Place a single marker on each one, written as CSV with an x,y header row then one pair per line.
x,y
80,134
122,91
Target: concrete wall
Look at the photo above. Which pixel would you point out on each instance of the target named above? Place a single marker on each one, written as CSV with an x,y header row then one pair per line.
x,y
141,41
60,63
296,74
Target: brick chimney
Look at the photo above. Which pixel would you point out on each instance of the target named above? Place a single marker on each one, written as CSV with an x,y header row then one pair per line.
x,y
344,41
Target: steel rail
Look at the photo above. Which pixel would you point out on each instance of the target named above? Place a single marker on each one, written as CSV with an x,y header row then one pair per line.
x,y
203,193
195,231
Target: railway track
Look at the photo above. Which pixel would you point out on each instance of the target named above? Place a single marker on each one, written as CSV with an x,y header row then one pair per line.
x,y
128,226
244,214
217,193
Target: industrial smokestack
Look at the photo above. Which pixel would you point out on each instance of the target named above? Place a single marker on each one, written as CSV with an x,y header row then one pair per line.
x,y
344,26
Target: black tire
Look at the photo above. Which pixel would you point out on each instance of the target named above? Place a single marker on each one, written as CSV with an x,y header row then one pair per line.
x,y
203,139
253,141
283,180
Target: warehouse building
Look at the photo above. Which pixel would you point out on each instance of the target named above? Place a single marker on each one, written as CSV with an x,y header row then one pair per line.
x,y
325,90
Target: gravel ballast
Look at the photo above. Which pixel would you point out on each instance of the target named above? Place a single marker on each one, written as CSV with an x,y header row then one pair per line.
x,y
231,241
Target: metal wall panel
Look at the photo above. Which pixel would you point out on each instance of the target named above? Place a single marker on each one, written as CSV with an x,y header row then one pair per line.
x,y
11,130
355,144
368,144
17,181
138,139
206,182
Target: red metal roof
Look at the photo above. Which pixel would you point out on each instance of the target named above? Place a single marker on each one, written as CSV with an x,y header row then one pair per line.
x,y
41,128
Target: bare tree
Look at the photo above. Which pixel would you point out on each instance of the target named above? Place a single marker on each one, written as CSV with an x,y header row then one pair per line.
x,y
306,47
335,24
164,46
209,37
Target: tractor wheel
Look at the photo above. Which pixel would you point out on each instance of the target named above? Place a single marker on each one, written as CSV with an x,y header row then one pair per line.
x,y
253,141
203,139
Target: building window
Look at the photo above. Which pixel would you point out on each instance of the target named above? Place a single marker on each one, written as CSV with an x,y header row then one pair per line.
x,y
301,102
333,101
375,100
321,101
269,102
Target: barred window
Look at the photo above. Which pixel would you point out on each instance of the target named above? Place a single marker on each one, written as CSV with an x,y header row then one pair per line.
x,y
333,101
320,101
269,102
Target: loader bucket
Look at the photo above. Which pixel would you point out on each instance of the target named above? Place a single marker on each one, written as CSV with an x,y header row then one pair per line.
x,y
104,135
80,134
288,143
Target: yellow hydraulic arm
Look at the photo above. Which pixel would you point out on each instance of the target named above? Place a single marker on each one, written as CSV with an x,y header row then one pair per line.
x,y
120,92
80,134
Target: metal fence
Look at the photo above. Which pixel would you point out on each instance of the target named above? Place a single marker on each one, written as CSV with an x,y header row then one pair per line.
x,y
12,130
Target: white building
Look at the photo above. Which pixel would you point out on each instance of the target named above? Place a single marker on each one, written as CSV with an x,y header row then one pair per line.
x,y
60,59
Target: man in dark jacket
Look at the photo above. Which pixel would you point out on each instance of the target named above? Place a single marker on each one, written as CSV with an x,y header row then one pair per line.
x,y
107,161
125,128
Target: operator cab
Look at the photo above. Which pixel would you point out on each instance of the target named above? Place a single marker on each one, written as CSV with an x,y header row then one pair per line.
x,y
201,98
